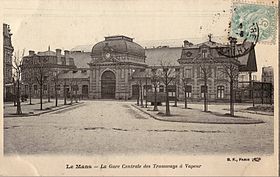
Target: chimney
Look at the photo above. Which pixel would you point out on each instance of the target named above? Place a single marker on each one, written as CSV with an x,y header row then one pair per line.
x,y
31,52
58,56
66,54
187,43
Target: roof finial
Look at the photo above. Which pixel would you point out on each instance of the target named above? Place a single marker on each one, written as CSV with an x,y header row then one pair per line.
x,y
49,48
210,37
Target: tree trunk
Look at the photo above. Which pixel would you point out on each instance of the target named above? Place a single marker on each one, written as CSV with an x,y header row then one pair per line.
x,y
55,91
186,106
176,95
141,95
49,95
15,93
231,99
30,94
64,92
205,93
71,95
155,101
137,103
18,98
41,97
167,112
146,101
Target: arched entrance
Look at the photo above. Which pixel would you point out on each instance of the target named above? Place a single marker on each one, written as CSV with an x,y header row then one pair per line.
x,y
108,85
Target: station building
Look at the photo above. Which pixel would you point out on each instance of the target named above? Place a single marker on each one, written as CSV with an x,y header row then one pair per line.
x,y
111,69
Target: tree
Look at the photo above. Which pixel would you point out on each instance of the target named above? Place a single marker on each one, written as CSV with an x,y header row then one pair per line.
x,y
41,68
146,75
176,84
17,66
155,79
185,82
230,68
204,71
167,77
55,79
28,76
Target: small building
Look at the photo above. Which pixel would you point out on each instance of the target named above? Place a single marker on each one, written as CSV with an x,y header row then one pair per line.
x,y
41,71
7,63
267,74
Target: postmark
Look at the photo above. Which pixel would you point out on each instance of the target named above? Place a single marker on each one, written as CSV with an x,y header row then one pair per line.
x,y
247,15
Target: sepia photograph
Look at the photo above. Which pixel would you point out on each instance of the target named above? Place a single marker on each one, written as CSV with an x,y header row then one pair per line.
x,y
130,80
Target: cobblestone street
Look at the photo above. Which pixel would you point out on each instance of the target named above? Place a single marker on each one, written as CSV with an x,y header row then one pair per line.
x,y
116,127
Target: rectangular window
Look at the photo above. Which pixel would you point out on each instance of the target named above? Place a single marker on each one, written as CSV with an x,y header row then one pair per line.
x,y
203,91
57,87
147,88
189,91
122,73
171,90
75,87
188,73
220,92
161,88
204,52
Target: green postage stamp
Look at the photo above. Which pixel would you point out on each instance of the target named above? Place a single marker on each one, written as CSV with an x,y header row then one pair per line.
x,y
247,15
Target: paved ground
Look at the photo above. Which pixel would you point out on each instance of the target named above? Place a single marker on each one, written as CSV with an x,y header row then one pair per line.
x,y
34,108
106,127
196,115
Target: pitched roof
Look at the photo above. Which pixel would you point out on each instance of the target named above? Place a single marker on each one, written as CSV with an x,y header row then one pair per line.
x,y
81,59
168,55
47,53
210,44
83,48
75,75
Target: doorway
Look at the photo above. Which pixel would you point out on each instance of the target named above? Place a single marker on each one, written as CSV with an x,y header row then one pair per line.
x,y
108,85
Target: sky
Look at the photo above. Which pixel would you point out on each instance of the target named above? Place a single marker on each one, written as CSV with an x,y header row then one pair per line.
x,y
64,24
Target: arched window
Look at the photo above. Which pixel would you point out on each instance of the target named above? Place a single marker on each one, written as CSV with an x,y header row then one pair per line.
x,y
220,92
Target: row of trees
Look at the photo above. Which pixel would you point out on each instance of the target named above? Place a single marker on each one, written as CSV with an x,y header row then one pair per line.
x,y
42,73
167,74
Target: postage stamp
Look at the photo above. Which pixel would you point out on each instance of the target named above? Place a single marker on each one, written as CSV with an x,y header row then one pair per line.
x,y
247,15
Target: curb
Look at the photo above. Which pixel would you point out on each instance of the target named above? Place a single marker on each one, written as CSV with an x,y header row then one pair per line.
x,y
154,117
255,112
44,112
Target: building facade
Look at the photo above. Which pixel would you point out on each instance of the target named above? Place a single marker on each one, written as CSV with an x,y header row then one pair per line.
x,y
43,70
119,68
113,62
267,74
7,62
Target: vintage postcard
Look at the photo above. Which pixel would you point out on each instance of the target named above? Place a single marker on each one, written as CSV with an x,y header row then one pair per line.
x,y
139,88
